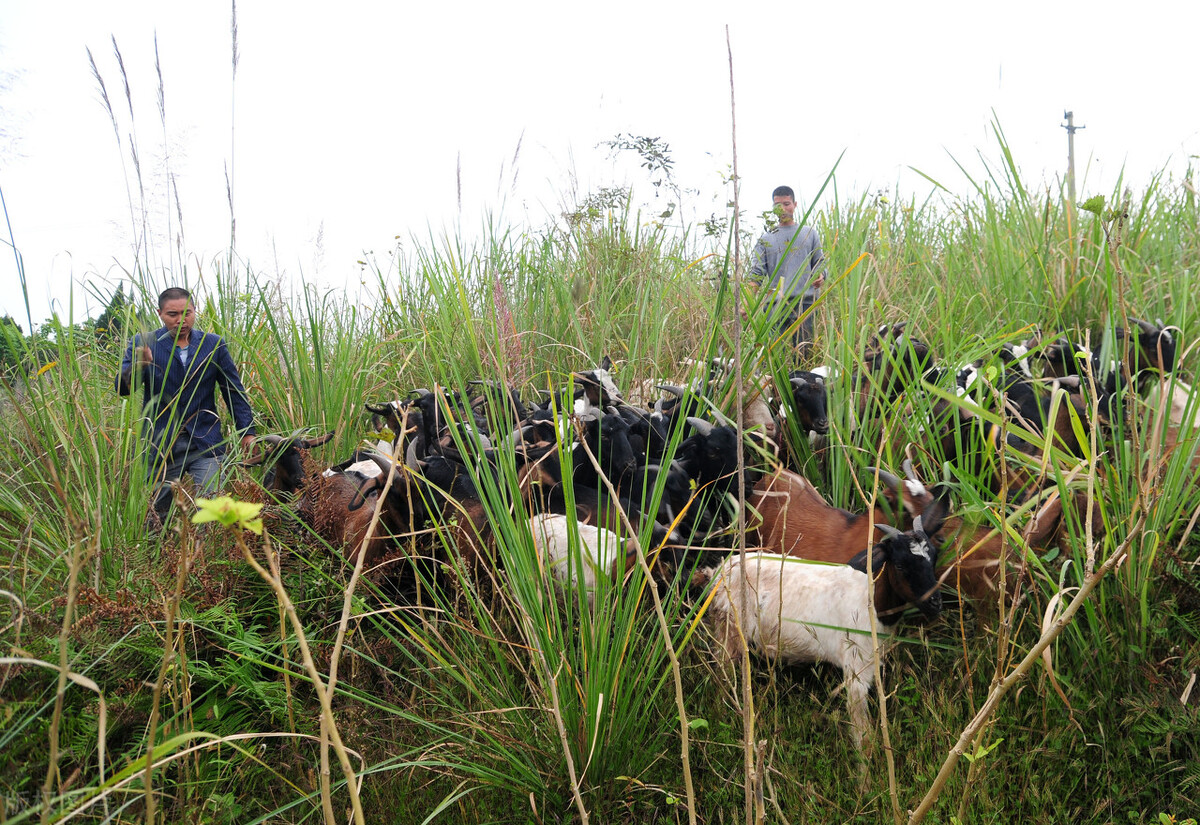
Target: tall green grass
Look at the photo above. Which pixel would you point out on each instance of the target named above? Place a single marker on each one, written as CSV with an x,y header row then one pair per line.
x,y
503,696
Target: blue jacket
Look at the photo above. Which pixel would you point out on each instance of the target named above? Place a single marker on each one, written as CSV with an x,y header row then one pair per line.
x,y
181,400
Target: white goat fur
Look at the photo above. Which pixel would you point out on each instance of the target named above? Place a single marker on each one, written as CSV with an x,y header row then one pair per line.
x,y
1175,398
793,610
601,551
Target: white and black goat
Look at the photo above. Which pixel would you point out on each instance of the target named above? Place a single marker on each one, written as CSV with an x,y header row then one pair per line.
x,y
795,611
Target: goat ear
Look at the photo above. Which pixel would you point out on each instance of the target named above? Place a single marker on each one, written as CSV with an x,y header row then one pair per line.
x,y
359,498
878,557
935,514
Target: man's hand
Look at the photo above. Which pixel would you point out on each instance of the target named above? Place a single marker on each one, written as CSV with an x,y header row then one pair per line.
x,y
818,281
143,357
248,444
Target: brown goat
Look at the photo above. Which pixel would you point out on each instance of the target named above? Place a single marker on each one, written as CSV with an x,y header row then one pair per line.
x,y
797,521
340,508
337,510
974,566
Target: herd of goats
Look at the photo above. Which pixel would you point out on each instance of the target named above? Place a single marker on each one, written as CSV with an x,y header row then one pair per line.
x,y
596,473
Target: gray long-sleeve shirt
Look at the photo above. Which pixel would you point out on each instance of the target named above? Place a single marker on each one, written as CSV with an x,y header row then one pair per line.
x,y
788,272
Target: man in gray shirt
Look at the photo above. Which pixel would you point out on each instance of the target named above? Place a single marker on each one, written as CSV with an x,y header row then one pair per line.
x,y
788,261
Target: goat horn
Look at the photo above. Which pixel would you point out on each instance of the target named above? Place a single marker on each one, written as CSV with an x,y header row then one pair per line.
x,y
275,441
720,416
383,462
518,435
886,477
919,530
309,443
909,473
798,382
888,529
702,426
378,409
1146,327
674,389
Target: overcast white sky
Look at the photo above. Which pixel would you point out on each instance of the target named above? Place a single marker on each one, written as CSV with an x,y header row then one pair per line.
x,y
346,122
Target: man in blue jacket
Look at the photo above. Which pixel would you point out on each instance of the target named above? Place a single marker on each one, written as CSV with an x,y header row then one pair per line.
x,y
181,369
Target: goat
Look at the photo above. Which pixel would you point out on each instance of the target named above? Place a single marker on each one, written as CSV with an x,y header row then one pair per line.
x,y
1063,357
893,369
709,457
1175,407
595,388
598,554
797,521
758,399
974,567
608,437
283,458
1037,413
334,504
595,507
499,405
810,400
1151,351
438,492
806,612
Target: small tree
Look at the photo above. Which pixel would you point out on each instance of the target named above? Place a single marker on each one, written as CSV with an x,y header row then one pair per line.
x,y
110,326
12,345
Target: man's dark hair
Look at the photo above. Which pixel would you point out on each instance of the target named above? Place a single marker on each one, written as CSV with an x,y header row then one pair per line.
x,y
783,192
173,293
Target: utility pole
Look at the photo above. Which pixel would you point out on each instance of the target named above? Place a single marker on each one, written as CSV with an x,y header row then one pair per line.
x,y
1071,130
1071,227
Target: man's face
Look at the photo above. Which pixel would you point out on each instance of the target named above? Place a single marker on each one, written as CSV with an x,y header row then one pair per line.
x,y
785,208
177,316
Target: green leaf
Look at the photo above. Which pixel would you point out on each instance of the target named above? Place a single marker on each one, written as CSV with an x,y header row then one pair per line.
x,y
1094,204
229,512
